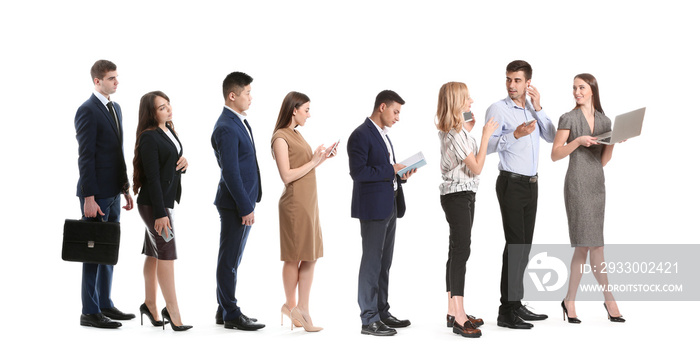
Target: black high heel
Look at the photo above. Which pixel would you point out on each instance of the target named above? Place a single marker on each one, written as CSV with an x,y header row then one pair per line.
x,y
176,328
619,319
565,312
144,310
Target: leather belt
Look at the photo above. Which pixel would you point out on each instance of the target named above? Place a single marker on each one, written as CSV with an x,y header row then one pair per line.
x,y
519,177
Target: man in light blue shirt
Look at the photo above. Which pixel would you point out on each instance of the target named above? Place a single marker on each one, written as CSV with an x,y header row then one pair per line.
x,y
517,141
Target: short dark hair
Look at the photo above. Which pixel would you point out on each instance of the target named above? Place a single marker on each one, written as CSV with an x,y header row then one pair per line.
x,y
520,65
387,97
100,68
235,82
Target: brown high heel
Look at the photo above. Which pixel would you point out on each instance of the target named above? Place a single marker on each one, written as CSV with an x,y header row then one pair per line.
x,y
296,315
285,311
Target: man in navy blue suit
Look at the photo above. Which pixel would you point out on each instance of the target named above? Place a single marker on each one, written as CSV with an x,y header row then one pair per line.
x,y
239,190
377,200
98,129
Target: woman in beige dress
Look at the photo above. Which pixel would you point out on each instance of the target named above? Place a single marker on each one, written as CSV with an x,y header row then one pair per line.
x,y
300,230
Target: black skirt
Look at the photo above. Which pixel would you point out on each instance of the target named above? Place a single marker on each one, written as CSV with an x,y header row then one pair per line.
x,y
153,244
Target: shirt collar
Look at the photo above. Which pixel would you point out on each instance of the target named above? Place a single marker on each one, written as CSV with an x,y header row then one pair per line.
x,y
100,97
242,117
383,131
509,101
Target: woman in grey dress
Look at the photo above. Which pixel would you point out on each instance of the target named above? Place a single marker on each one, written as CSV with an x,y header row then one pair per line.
x,y
584,187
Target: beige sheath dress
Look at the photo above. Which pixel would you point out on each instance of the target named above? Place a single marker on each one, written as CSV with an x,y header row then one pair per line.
x,y
300,229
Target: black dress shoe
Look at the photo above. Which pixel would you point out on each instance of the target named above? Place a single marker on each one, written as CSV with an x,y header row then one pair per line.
x,y
219,317
378,328
116,314
243,323
526,314
98,320
512,321
392,322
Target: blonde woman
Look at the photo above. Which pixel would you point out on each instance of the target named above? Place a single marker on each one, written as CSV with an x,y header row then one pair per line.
x,y
461,163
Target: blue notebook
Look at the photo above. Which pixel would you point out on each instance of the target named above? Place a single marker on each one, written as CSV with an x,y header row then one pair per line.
x,y
415,161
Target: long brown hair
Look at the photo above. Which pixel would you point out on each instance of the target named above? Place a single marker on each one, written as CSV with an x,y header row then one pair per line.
x,y
452,96
593,83
291,102
147,122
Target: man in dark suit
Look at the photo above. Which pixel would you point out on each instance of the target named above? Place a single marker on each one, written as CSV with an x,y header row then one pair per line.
x,y
239,190
98,128
377,200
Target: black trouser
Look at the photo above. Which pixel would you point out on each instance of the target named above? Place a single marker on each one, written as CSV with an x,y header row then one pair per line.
x,y
459,212
517,198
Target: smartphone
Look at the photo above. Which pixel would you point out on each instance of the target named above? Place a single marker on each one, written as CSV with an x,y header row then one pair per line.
x,y
468,116
333,149
167,234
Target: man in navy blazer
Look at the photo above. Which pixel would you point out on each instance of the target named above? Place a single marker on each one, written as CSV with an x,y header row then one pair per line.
x,y
377,200
239,190
98,129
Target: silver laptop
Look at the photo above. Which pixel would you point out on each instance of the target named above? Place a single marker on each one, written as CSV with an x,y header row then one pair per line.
x,y
627,125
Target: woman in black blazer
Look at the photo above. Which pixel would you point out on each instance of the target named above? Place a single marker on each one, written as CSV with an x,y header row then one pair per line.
x,y
158,163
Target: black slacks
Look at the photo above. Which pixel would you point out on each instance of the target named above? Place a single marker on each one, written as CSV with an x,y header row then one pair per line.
x,y
459,212
517,199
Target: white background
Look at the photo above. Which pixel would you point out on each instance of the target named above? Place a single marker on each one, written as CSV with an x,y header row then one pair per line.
x,y
341,54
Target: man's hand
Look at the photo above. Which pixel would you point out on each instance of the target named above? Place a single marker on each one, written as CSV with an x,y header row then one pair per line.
x,y
129,201
534,98
524,129
91,208
249,219
408,174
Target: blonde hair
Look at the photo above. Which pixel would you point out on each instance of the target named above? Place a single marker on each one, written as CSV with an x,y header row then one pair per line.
x,y
453,95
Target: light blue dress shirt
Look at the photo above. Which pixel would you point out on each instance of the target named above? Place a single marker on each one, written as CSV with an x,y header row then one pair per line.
x,y
521,155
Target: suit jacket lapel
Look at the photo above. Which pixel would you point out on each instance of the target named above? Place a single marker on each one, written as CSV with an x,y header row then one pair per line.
x,y
378,137
108,116
239,123
169,141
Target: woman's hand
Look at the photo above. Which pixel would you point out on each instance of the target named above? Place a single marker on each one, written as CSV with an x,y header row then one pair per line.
x,y
181,164
489,128
161,224
319,155
334,152
587,141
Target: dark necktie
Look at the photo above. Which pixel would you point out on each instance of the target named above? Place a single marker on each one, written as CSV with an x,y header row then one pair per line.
x,y
114,115
250,132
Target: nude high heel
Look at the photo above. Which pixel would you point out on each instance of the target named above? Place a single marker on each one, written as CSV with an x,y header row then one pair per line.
x,y
296,315
285,311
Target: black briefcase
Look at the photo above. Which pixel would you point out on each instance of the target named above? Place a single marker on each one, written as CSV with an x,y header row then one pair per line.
x,y
91,241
